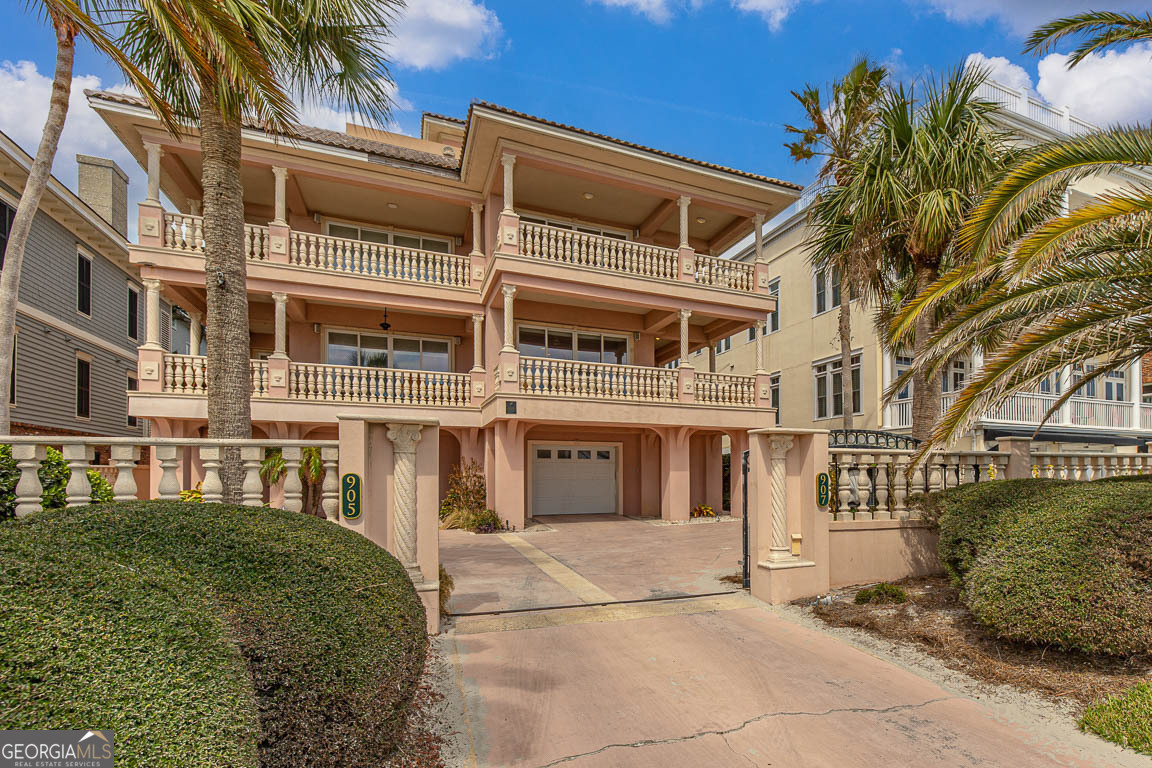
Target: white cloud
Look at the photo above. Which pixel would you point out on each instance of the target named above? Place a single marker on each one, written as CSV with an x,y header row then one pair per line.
x,y
431,34
1001,70
26,93
1022,16
773,12
1113,87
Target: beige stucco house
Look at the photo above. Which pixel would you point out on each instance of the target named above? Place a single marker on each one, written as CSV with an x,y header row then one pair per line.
x,y
520,283
802,355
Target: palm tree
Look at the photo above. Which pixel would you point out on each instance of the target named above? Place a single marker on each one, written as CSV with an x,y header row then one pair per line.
x,y
69,20
915,181
330,50
837,129
1059,288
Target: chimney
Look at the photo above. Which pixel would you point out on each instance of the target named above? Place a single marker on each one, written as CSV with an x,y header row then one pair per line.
x,y
104,187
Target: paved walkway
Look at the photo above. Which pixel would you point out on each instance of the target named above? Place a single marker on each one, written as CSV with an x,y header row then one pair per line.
x,y
710,681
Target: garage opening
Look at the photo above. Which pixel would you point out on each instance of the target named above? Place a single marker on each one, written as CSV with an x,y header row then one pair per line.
x,y
575,479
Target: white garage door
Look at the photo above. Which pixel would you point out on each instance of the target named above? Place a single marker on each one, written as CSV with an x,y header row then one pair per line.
x,y
574,480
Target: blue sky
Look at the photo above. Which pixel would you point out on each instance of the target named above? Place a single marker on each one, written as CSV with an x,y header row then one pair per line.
x,y
705,78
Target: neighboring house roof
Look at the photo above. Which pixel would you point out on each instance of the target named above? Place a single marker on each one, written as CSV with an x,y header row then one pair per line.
x,y
345,141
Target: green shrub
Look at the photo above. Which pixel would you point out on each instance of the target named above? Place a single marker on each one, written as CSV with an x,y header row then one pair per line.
x,y
466,499
447,584
1055,563
881,593
53,474
967,515
1125,719
207,634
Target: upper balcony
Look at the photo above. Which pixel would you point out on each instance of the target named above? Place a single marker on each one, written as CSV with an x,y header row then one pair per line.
x,y
447,215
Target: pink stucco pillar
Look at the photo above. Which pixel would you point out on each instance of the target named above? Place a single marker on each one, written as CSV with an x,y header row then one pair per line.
x,y
508,491
675,474
650,474
713,473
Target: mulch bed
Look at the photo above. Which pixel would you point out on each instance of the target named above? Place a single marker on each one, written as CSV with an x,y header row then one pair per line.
x,y
937,621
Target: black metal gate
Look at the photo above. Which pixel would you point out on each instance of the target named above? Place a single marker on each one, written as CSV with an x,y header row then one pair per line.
x,y
744,521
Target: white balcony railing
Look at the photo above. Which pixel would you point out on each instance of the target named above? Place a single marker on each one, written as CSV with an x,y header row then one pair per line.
x,y
725,389
186,233
1027,105
185,374
1030,408
1100,413
567,246
338,254
605,381
388,386
725,273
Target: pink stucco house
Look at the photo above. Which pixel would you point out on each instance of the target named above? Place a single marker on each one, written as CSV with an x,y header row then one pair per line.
x,y
533,288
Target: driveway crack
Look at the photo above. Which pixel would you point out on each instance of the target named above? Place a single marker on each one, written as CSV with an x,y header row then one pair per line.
x,y
725,732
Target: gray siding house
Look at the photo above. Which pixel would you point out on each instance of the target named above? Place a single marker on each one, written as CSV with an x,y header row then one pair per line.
x,y
81,308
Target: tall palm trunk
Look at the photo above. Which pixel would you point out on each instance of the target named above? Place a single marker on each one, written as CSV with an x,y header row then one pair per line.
x,y
229,376
926,387
29,203
846,349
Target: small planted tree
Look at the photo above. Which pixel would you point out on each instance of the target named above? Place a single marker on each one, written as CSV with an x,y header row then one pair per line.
x,y
465,504
273,470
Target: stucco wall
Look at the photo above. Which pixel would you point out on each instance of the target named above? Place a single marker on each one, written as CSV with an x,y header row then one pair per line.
x,y
864,552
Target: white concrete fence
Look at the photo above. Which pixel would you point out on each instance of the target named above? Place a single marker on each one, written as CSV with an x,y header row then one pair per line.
x,y
875,484
125,453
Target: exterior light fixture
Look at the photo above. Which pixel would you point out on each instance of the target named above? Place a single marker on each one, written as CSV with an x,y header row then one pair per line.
x,y
393,206
588,195
700,219
385,325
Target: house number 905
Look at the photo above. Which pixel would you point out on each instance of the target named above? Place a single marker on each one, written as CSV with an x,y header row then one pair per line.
x,y
350,496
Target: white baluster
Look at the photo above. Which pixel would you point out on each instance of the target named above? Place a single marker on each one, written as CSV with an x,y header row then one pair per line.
x,y
211,488
330,490
29,493
124,457
78,491
252,489
169,486
293,489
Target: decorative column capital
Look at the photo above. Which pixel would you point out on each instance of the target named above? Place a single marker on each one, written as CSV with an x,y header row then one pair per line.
x,y
477,208
404,436
779,445
280,298
280,172
507,160
684,201
508,290
153,284
685,314
477,318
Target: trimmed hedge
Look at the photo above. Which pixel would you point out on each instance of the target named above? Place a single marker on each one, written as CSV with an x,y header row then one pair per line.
x,y
1054,563
208,634
1125,719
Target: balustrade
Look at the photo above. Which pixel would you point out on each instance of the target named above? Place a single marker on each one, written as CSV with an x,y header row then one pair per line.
x,y
725,273
725,389
354,384
338,254
583,249
569,378
170,453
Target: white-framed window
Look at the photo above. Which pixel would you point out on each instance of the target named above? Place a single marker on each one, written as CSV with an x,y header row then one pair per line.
x,y
1050,385
134,314
7,214
83,284
774,316
577,226
954,375
83,386
390,237
902,363
828,391
1078,373
572,344
1114,386
774,393
132,385
724,345
389,350
826,287
15,360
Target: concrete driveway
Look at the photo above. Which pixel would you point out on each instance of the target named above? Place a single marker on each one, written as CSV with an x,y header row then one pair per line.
x,y
709,681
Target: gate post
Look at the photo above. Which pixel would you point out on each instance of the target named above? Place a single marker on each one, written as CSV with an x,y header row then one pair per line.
x,y
787,532
397,462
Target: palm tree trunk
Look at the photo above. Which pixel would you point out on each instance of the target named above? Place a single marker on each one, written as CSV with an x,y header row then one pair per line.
x,y
225,279
29,203
846,350
926,388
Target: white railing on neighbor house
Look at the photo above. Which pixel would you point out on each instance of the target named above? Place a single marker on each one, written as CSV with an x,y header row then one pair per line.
x,y
875,484
605,381
1023,103
725,389
725,273
126,453
1029,408
183,232
567,246
389,386
339,254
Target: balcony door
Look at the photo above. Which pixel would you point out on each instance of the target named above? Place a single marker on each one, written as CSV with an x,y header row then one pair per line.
x,y
386,350
570,344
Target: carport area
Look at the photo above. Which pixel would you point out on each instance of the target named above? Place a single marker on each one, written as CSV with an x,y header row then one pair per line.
x,y
589,559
